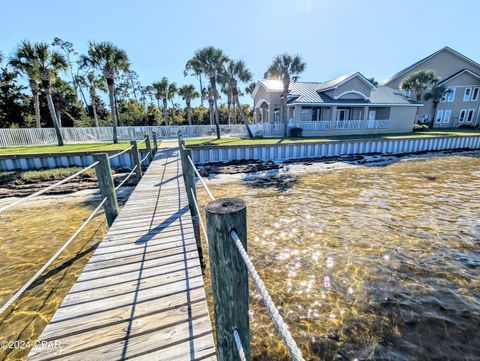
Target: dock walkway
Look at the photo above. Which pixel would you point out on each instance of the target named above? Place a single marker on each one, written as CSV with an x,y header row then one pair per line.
x,y
141,296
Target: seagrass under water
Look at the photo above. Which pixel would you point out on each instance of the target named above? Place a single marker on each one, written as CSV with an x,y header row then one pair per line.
x,y
378,263
29,236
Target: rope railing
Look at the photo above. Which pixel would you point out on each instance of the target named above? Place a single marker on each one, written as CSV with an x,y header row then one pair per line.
x,y
277,319
52,259
141,141
144,158
238,343
126,178
120,153
202,225
105,181
200,178
44,190
282,327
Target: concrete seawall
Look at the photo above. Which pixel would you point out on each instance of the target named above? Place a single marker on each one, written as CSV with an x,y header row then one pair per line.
x,y
58,160
281,152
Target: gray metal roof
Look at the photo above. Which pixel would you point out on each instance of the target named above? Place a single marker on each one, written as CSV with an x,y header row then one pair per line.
x,y
306,92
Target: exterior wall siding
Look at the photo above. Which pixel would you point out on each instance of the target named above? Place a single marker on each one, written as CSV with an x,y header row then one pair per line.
x,y
353,84
281,152
444,64
459,83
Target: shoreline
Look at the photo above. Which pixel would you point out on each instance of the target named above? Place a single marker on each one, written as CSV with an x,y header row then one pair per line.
x,y
220,173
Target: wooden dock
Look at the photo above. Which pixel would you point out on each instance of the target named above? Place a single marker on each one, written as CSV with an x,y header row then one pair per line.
x,y
141,296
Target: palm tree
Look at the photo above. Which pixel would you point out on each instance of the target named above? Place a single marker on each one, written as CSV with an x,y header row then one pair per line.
x,y
161,92
92,82
149,92
234,72
225,89
39,59
435,95
110,60
188,93
194,67
418,82
285,67
172,91
211,60
23,61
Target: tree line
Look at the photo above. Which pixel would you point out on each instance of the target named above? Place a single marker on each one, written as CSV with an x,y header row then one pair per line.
x,y
64,88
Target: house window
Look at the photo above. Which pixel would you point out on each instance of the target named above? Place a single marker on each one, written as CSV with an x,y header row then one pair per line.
x,y
475,94
467,94
407,93
470,114
439,116
446,116
306,115
462,115
449,95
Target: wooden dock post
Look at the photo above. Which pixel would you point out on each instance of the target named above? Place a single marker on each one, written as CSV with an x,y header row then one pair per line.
x,y
229,275
155,142
136,160
189,178
149,149
181,142
107,188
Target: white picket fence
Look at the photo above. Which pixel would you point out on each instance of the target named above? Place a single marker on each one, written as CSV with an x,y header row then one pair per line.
x,y
44,136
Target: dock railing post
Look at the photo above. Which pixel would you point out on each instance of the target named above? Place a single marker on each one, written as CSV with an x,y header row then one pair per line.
x,y
136,159
181,142
155,141
107,187
149,149
229,275
189,179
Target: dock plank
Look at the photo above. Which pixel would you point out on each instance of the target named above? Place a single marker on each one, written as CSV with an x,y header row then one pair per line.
x,y
141,296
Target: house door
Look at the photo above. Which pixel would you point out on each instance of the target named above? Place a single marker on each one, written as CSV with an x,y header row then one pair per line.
x,y
371,118
342,114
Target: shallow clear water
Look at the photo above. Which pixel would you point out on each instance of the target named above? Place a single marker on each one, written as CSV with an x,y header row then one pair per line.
x,y
29,236
379,263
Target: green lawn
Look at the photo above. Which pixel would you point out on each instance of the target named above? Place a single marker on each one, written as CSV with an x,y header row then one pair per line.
x,y
246,141
93,147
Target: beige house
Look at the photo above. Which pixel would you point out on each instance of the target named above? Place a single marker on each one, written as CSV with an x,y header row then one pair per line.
x,y
349,104
461,75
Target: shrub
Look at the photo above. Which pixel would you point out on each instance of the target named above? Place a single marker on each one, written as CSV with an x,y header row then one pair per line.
x,y
296,132
420,127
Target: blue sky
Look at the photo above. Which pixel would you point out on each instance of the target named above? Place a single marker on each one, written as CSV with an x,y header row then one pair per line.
x,y
376,38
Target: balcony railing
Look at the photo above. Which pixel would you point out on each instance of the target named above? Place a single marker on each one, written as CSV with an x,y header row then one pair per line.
x,y
326,125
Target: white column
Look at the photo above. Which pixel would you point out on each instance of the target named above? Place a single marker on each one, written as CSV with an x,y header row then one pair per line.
x,y
365,117
334,113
